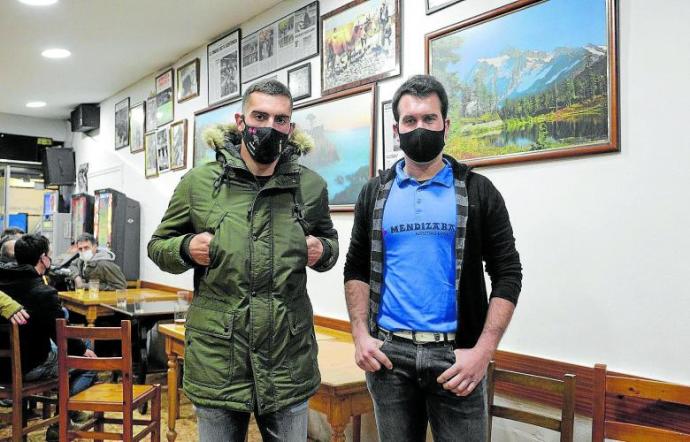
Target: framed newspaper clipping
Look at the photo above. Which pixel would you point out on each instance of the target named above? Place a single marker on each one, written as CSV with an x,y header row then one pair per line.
x,y
223,67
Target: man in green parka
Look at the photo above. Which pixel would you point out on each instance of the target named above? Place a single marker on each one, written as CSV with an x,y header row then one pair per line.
x,y
249,224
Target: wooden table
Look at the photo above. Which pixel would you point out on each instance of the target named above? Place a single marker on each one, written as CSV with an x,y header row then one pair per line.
x,y
92,309
343,393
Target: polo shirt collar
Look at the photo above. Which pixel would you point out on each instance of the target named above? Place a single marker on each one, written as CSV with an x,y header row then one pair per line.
x,y
443,177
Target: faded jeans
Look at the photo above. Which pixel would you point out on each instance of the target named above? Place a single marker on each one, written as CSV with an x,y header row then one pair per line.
x,y
286,425
80,380
408,397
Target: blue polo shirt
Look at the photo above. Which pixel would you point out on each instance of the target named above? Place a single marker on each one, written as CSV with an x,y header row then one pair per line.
x,y
419,222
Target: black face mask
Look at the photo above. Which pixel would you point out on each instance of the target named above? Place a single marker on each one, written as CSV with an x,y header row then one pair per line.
x,y
422,145
264,144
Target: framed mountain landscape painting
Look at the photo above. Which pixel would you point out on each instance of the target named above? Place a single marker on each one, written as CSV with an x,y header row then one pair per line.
x,y
532,80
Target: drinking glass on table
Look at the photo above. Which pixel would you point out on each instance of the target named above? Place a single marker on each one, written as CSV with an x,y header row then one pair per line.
x,y
121,298
181,306
94,288
138,305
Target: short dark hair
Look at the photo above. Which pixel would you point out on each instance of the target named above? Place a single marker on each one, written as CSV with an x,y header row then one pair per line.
x,y
269,87
87,237
421,86
29,248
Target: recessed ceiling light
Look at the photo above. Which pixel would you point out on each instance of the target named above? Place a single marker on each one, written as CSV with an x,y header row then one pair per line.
x,y
56,53
35,104
38,2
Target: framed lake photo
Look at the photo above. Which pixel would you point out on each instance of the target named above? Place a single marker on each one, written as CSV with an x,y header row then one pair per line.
x,y
360,44
531,80
343,129
206,119
137,125
122,124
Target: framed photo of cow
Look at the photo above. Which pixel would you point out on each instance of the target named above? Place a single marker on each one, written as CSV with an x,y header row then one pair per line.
x,y
360,44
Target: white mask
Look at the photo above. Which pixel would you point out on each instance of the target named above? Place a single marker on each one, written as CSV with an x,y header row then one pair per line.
x,y
86,255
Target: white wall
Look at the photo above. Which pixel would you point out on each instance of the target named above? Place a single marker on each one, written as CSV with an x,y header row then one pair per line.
x,y
36,127
602,238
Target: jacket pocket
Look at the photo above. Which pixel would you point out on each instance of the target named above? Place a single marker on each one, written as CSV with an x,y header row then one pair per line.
x,y
214,248
208,347
304,350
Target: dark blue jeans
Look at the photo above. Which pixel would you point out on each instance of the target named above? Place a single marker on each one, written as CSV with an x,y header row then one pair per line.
x,y
408,397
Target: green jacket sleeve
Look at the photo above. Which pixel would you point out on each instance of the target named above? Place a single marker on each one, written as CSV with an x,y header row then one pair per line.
x,y
164,248
8,306
324,230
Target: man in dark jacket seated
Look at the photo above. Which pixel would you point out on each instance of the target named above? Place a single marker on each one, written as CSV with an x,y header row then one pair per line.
x,y
24,282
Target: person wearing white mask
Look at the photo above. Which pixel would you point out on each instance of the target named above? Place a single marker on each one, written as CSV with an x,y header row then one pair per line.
x,y
96,263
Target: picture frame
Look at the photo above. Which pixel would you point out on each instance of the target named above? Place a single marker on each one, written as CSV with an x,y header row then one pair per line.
x,y
122,124
188,80
563,103
151,109
299,82
137,127
165,103
389,142
178,145
436,5
204,119
223,68
343,127
287,41
163,149
360,44
150,155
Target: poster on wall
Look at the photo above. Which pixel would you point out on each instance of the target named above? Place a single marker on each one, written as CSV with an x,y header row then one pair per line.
x,y
391,143
342,128
122,124
531,80
360,44
209,119
188,81
163,148
150,155
289,40
164,98
151,123
83,178
223,67
178,145
137,117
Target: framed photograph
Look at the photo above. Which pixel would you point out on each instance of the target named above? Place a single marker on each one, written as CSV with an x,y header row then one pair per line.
x,y
360,44
151,108
188,81
223,68
163,149
436,5
137,126
150,155
287,41
343,129
178,145
165,111
122,124
299,81
208,119
545,86
391,143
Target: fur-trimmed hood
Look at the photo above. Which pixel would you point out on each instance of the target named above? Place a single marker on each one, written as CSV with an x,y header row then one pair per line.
x,y
223,136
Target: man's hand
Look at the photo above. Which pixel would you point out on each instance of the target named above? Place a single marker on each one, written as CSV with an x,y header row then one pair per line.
x,y
467,372
314,250
20,318
78,282
199,248
368,355
89,353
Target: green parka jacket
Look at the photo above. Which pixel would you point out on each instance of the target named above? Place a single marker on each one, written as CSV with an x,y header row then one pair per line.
x,y
249,340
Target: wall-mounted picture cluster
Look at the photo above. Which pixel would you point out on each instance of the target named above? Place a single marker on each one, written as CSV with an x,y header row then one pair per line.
x,y
165,149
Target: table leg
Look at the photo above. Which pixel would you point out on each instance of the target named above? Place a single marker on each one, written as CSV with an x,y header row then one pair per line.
x,y
173,400
338,420
356,428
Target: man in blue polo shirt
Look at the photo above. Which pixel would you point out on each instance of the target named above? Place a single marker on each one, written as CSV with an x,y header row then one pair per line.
x,y
423,327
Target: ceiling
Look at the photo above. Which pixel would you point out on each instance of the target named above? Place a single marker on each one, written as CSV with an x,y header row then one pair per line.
x,y
114,43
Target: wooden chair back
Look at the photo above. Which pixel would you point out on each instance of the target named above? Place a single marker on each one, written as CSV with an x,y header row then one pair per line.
x,y
20,392
565,388
626,386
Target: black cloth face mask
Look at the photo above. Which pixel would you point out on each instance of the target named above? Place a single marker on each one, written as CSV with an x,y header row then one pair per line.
x,y
264,144
422,145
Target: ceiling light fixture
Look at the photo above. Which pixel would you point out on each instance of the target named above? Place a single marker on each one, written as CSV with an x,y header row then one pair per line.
x,y
56,53
36,104
38,2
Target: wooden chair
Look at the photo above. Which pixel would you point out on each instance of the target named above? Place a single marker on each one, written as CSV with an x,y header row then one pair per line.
x,y
123,398
565,388
632,387
20,392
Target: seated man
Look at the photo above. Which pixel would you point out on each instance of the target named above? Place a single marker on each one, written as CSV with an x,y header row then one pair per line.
x,y
24,283
96,263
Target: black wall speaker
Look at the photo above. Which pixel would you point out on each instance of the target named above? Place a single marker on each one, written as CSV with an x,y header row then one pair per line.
x,y
85,117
